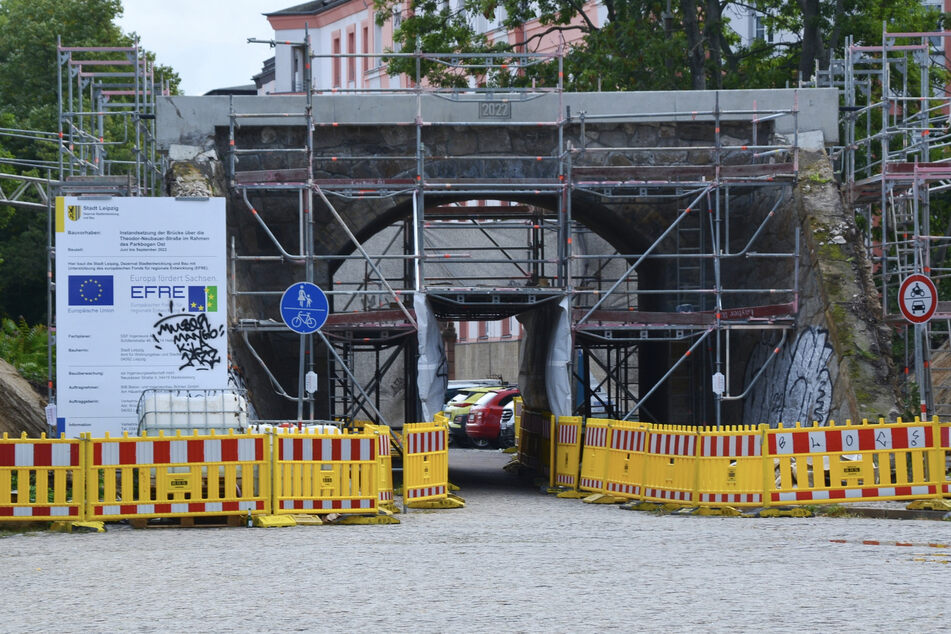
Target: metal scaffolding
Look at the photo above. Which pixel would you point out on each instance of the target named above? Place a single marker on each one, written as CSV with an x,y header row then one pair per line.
x,y
894,165
527,253
106,97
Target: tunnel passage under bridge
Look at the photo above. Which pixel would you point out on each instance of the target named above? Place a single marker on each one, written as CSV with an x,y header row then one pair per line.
x,y
632,229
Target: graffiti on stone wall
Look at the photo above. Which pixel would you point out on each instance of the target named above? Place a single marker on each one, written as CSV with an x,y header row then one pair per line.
x,y
796,386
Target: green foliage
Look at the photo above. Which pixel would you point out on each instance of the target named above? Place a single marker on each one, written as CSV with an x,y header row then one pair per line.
x,y
25,348
28,101
647,44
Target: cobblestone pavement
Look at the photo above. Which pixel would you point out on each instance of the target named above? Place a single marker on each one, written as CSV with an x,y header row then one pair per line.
x,y
512,560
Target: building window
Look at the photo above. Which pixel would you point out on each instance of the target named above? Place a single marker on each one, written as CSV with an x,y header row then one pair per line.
x,y
397,21
365,47
507,327
336,62
760,32
377,43
483,330
463,331
351,61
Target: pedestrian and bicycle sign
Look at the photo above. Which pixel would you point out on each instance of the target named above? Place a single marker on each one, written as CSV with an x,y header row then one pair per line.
x,y
917,298
304,307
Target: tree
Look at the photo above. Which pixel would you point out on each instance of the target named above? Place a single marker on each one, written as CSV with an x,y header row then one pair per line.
x,y
28,101
652,45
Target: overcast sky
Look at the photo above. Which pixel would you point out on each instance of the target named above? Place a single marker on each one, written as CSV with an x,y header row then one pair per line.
x,y
205,41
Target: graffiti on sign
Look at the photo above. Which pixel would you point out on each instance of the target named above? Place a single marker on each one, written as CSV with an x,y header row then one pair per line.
x,y
796,386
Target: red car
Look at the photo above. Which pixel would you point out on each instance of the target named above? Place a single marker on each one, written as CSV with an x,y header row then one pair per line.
x,y
492,419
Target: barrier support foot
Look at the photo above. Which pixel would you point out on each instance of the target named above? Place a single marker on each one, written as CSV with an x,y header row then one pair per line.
x,y
571,494
78,527
642,506
275,521
929,505
449,502
784,511
384,517
723,511
514,467
603,498
392,507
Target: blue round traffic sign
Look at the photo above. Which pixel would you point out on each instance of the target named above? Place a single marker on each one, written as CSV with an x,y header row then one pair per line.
x,y
304,307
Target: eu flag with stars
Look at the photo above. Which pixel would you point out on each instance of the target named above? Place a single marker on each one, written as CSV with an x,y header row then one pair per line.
x,y
91,290
202,299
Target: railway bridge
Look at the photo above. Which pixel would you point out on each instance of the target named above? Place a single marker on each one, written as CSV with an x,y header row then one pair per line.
x,y
686,253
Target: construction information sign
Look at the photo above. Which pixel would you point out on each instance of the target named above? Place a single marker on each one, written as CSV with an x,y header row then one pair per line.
x,y
140,303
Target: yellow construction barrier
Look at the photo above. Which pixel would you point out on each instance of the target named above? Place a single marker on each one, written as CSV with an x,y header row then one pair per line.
x,y
384,460
317,474
567,463
670,464
40,479
535,449
626,459
594,455
851,463
730,466
943,459
519,406
426,466
176,476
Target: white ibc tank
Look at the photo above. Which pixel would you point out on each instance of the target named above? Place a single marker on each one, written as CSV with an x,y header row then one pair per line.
x,y
285,428
186,411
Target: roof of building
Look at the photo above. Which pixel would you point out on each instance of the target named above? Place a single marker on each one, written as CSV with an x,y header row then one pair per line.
x,y
308,8
245,89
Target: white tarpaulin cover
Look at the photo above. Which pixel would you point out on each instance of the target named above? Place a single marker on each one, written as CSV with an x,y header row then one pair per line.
x,y
545,359
432,376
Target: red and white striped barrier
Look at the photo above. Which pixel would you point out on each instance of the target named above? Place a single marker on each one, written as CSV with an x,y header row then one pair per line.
x,y
568,433
596,437
172,509
426,441
856,493
328,505
732,446
39,454
668,494
872,438
425,492
181,452
628,439
335,449
42,458
673,444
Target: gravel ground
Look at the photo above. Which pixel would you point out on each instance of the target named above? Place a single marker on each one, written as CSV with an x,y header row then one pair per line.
x,y
512,560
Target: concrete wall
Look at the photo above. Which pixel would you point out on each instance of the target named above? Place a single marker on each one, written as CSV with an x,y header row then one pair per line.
x,y
192,120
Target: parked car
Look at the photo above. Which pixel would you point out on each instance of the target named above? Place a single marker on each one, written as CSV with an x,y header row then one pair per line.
x,y
491,420
457,411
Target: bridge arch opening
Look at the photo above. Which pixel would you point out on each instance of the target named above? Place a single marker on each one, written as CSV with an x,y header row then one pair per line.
x,y
489,265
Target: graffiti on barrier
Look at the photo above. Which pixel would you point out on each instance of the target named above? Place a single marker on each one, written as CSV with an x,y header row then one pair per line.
x,y
796,386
